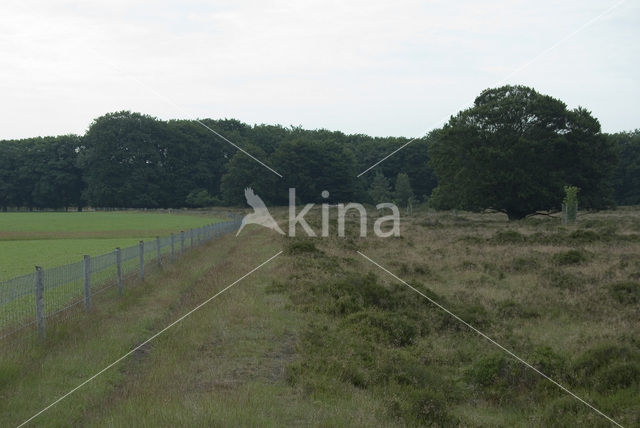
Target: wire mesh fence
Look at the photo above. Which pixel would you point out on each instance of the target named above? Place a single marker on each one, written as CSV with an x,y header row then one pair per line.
x,y
27,301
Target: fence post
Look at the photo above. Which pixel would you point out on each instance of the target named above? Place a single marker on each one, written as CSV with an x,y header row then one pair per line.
x,y
191,238
87,283
158,251
141,255
172,247
181,241
119,270
39,293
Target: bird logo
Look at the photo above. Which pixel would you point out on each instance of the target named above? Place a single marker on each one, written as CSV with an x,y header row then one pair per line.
x,y
260,214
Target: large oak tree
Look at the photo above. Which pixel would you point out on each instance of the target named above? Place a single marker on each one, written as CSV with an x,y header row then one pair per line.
x,y
515,150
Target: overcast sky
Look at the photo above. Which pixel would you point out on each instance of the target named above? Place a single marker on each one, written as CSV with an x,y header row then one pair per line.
x,y
375,67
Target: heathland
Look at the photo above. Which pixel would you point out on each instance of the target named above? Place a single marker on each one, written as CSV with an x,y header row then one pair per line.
x,y
321,336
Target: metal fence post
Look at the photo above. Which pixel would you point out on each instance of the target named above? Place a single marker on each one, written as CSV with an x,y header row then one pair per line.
x,y
173,238
87,283
39,293
141,255
158,251
191,238
181,241
119,270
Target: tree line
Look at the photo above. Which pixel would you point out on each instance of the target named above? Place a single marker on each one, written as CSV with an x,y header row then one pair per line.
x,y
514,151
131,160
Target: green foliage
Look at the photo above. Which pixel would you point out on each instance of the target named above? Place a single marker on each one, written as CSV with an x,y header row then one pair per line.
x,y
498,376
9,371
570,205
123,159
380,191
570,195
384,327
41,173
626,177
514,150
513,309
300,246
559,279
618,375
584,236
312,165
608,367
133,160
626,292
524,264
403,193
570,257
567,412
429,408
201,198
508,236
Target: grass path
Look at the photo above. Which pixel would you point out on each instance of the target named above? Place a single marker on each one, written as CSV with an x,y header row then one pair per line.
x,y
223,366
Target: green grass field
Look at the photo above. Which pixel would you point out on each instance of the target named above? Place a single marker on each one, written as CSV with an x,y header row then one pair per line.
x,y
53,239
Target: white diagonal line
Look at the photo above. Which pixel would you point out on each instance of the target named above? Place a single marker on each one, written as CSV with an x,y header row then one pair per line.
x,y
503,80
148,340
492,341
389,155
241,149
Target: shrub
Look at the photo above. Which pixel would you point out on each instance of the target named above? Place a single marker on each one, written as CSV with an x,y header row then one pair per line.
x,y
473,239
384,327
627,292
405,369
524,264
559,279
512,309
570,257
354,375
590,367
548,362
199,198
422,269
618,375
300,246
503,379
567,412
9,371
428,408
508,236
584,236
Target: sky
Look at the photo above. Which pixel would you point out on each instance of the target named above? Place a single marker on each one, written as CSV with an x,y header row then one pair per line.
x,y
383,68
